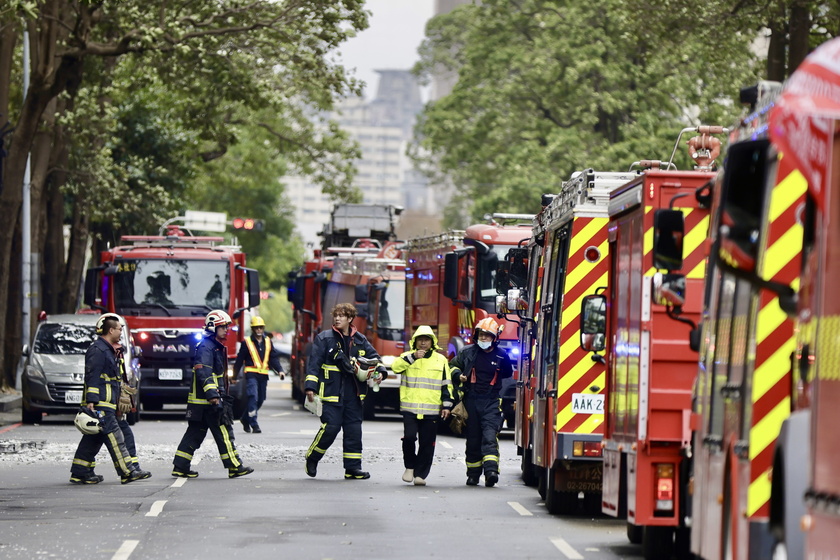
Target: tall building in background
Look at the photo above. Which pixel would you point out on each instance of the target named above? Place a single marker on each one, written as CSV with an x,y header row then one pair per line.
x,y
383,128
443,82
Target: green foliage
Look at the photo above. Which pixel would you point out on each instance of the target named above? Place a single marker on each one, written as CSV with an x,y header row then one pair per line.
x,y
547,88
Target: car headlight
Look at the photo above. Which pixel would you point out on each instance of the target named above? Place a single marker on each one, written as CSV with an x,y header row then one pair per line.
x,y
388,361
35,374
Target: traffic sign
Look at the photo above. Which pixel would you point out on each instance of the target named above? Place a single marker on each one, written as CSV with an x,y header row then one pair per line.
x,y
205,221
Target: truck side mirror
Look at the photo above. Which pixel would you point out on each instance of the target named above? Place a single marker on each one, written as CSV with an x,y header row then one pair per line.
x,y
253,278
593,323
450,276
668,232
669,289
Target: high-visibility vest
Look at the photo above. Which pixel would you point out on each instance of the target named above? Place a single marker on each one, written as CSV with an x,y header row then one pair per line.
x,y
260,365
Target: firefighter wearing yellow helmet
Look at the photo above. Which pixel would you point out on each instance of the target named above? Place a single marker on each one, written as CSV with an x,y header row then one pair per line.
x,y
260,358
478,371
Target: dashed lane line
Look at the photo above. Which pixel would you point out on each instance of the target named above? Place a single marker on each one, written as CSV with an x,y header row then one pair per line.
x,y
125,550
178,482
566,549
519,508
157,507
280,414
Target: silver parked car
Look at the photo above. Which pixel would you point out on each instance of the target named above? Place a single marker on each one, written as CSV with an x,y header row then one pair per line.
x,y
53,376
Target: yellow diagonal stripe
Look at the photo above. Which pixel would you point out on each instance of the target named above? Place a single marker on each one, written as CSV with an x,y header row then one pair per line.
x,y
786,193
769,319
773,370
583,237
785,249
585,267
762,435
591,424
571,314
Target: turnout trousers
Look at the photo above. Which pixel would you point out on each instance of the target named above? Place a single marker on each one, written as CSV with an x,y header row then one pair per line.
x,y
195,434
419,457
484,422
112,437
345,416
257,383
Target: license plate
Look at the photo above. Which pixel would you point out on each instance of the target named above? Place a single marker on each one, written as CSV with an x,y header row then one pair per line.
x,y
586,403
74,397
171,374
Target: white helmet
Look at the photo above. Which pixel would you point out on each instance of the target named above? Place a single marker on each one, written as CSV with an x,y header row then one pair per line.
x,y
100,323
87,421
216,318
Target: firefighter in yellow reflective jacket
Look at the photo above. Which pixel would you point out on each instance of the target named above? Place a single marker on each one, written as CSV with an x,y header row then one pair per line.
x,y
259,357
425,396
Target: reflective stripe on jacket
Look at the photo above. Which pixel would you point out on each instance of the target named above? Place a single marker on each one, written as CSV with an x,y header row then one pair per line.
x,y
425,385
259,365
323,375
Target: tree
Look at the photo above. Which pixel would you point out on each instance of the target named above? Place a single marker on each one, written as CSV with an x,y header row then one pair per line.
x,y
225,60
547,88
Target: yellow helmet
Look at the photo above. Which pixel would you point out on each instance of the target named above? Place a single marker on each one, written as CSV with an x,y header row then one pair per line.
x,y
257,321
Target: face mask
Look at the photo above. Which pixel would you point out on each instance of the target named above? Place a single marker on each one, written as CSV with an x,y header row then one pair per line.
x,y
484,344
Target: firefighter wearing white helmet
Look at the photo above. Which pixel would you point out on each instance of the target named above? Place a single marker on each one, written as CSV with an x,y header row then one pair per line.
x,y
209,405
259,357
478,371
103,376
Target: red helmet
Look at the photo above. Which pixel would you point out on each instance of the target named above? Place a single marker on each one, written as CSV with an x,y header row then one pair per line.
x,y
490,326
216,318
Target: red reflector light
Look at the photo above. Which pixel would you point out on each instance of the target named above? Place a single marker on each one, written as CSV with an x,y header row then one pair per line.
x,y
144,336
664,486
592,254
665,489
592,449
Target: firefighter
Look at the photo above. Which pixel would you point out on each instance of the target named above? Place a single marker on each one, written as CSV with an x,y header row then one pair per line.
x,y
478,371
103,375
425,396
331,374
209,405
260,358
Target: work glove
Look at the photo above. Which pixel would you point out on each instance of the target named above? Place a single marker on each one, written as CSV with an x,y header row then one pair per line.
x,y
124,405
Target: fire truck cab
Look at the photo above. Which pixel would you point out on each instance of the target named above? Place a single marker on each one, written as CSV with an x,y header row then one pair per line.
x,y
164,285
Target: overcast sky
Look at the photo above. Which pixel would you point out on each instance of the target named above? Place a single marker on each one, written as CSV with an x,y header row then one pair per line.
x,y
396,29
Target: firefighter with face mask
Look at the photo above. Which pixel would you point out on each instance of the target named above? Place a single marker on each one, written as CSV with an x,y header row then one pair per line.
x,y
478,371
209,406
425,396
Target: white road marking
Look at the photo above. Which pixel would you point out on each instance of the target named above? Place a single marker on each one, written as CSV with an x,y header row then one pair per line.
x,y
566,549
519,508
157,507
280,414
178,482
446,444
125,550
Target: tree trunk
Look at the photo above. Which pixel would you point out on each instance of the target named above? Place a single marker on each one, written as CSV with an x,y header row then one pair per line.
x,y
80,234
776,53
53,273
800,26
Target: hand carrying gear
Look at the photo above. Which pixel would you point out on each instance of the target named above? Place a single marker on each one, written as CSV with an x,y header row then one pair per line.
x,y
458,418
343,362
87,421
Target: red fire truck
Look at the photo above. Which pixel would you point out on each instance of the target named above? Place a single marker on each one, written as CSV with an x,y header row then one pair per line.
x,y
560,395
164,286
768,416
451,285
358,250
650,367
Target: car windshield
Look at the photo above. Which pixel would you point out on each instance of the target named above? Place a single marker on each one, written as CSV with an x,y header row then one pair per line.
x,y
54,338
171,287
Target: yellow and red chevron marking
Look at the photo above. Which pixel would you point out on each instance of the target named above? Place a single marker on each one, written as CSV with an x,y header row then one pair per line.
x,y
577,372
695,247
771,398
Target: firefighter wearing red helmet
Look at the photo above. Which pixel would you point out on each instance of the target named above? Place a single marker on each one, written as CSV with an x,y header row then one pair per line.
x,y
478,371
209,404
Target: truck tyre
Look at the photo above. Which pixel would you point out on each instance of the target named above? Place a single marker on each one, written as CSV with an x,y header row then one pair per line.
x,y
31,416
529,476
558,502
635,533
658,543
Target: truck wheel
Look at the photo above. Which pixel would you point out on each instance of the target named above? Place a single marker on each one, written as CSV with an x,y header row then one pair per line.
x,y
635,533
658,543
557,502
31,416
529,477
592,504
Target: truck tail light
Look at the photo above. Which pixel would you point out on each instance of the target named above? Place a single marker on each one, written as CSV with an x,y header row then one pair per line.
x,y
586,448
664,486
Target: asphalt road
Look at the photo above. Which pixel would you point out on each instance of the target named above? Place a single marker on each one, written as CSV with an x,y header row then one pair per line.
x,y
277,510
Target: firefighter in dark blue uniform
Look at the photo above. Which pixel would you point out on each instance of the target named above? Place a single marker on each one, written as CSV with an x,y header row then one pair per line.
x,y
209,407
331,375
478,371
103,375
